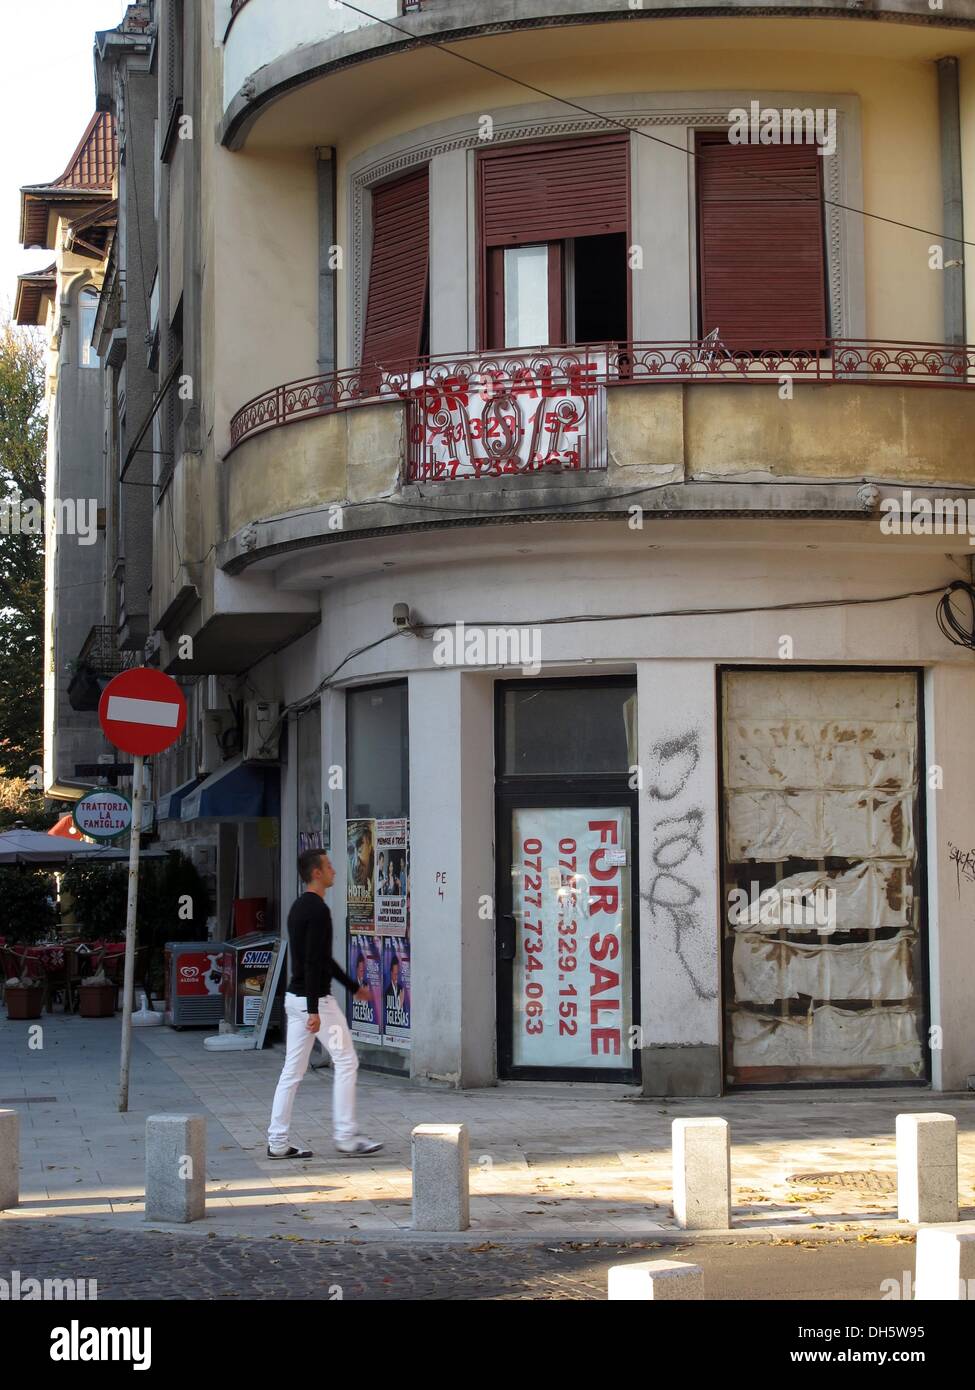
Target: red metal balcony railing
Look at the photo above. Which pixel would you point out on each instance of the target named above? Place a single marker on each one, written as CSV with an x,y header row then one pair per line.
x,y
832,361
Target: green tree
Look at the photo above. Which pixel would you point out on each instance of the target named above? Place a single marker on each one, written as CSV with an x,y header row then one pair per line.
x,y
23,444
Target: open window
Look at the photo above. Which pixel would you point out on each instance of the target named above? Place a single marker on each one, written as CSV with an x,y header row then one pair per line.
x,y
553,220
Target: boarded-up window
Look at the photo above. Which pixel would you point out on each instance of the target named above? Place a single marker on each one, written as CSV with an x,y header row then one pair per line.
x,y
396,315
822,923
761,248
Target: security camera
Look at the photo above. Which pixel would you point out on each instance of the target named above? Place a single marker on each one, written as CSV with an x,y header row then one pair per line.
x,y
401,614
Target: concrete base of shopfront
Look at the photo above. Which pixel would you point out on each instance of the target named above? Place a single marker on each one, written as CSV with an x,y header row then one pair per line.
x,y
687,1070
548,1162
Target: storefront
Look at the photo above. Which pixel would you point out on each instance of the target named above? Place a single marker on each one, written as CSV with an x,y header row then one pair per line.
x,y
825,931
567,954
377,869
586,873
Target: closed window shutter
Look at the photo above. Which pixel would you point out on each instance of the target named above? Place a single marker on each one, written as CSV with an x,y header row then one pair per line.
x,y
553,190
398,272
762,255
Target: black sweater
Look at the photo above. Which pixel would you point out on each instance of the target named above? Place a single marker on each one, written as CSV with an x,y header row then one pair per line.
x,y
310,945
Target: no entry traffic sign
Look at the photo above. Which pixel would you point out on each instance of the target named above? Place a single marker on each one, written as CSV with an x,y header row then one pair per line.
x,y
142,711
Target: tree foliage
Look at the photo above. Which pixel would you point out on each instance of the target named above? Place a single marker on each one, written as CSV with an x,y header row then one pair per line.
x,y
23,443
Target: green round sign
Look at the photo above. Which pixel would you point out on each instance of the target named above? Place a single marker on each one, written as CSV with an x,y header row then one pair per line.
x,y
103,814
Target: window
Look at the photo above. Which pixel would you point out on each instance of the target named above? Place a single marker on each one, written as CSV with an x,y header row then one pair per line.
x,y
87,311
569,729
378,756
553,222
397,316
173,75
761,252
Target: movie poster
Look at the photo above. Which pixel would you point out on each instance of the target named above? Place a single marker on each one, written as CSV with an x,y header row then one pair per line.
x,y
361,843
366,968
391,877
396,990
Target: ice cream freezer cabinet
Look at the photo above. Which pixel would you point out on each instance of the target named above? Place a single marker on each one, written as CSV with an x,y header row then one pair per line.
x,y
194,978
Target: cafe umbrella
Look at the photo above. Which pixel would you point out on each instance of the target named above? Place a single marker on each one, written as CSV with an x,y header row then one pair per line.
x,y
21,846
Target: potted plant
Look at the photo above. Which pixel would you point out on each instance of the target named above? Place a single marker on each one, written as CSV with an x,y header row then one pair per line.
x,y
24,998
96,997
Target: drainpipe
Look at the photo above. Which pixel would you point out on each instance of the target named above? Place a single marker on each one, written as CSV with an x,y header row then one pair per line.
x,y
953,224
327,276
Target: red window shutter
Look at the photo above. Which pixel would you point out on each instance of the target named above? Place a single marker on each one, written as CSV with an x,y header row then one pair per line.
x,y
398,271
554,189
761,251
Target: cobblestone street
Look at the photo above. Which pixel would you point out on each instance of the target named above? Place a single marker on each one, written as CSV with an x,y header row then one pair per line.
x,y
158,1265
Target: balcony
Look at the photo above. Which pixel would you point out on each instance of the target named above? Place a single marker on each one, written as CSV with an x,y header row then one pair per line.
x,y
272,48
597,419
98,661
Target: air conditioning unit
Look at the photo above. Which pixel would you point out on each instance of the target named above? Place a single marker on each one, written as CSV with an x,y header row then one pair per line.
x,y
213,697
262,730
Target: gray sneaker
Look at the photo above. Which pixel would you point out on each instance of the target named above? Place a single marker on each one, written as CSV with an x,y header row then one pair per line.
x,y
359,1145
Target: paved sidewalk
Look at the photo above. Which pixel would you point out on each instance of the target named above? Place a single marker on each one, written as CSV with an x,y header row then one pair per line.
x,y
554,1162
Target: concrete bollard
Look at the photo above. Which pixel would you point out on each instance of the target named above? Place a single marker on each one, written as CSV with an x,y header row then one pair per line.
x,y
667,1280
945,1264
927,1168
9,1159
441,1181
701,1151
176,1172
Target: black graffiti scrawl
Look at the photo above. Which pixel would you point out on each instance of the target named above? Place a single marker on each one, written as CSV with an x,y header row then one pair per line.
x,y
675,897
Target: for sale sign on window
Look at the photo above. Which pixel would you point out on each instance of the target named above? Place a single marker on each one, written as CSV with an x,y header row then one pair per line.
x,y
571,881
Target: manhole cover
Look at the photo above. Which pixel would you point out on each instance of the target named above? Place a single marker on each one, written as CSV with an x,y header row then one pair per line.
x,y
853,1182
576,1160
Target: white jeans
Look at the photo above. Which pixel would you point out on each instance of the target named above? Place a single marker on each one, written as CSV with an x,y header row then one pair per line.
x,y
336,1038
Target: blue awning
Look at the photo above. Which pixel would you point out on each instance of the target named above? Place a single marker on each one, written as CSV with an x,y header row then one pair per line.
x,y
235,792
168,806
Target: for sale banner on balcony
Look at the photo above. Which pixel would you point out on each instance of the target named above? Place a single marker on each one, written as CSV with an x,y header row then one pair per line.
x,y
571,984
508,416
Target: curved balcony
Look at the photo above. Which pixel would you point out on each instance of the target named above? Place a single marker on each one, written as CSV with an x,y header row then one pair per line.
x,y
509,430
271,48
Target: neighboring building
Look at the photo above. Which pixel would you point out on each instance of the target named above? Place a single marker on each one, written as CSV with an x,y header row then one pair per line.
x,y
630,400
75,217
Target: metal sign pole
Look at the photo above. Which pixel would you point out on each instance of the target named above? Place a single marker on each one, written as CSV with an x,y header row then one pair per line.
x,y
128,988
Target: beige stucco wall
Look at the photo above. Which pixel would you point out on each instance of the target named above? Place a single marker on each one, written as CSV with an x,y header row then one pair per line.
x,y
351,455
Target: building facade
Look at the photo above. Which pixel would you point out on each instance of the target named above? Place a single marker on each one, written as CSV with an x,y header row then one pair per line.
x,y
74,216
570,417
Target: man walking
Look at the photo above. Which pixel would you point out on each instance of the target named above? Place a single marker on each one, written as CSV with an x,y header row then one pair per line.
x,y
308,1005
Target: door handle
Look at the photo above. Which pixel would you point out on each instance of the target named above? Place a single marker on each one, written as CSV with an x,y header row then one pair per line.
x,y
506,936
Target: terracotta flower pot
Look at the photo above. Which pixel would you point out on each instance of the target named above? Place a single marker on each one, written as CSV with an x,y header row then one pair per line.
x,y
96,1001
24,1001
